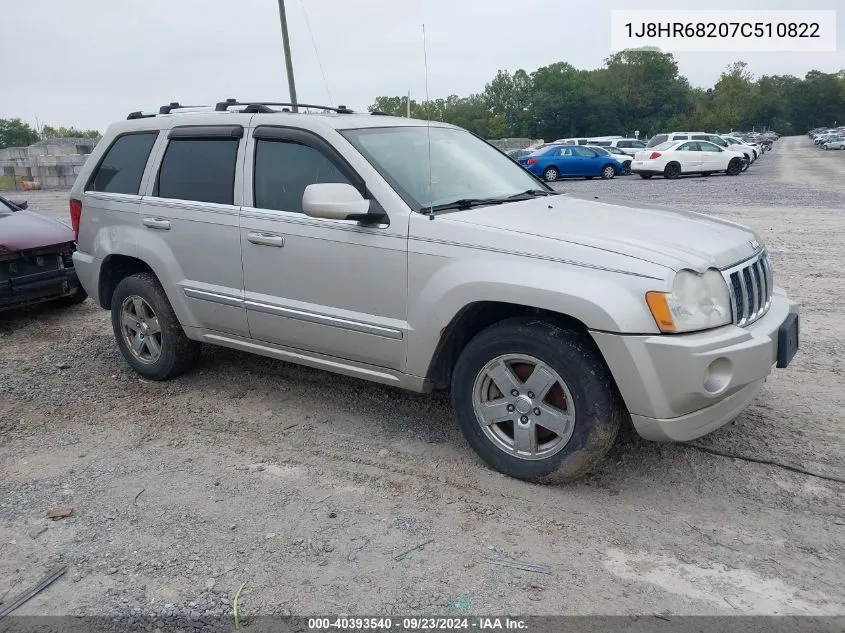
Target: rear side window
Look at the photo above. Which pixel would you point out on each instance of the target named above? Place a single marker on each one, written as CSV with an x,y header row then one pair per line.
x,y
623,144
123,165
602,143
199,169
283,170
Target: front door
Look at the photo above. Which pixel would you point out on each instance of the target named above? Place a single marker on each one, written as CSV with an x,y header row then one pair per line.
x,y
331,287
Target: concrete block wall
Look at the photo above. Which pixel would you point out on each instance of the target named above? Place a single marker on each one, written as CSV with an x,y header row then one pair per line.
x,y
54,165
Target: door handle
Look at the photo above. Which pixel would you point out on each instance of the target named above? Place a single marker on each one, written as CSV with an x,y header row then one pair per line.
x,y
156,223
266,239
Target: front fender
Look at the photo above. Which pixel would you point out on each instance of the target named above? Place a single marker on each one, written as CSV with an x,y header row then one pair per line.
x,y
600,299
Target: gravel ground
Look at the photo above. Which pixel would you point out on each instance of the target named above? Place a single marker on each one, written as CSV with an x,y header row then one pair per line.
x,y
310,487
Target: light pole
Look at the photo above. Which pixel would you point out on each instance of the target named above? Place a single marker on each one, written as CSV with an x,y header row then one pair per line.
x,y
288,63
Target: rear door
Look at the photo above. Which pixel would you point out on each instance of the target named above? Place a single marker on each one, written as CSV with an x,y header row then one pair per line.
x,y
689,155
190,224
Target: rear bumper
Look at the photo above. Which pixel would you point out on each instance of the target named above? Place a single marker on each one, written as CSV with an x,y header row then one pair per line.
x,y
680,387
37,287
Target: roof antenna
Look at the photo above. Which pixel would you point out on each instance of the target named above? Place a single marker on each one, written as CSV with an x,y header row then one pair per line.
x,y
428,129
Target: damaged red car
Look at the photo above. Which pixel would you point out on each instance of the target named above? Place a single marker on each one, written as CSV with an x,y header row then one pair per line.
x,y
36,262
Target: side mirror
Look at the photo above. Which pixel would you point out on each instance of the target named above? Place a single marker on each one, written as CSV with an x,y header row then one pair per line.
x,y
20,204
335,201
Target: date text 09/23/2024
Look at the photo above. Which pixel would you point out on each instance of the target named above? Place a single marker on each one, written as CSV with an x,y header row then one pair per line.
x,y
416,624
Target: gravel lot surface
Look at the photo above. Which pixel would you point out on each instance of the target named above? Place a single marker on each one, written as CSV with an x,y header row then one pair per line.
x,y
310,487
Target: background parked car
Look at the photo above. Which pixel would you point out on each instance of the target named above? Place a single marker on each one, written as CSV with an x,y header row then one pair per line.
x,y
36,262
624,159
676,158
566,161
517,153
628,145
834,142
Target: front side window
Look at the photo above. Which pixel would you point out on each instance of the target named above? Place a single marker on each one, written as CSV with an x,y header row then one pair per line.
x,y
199,170
123,165
431,166
284,169
635,144
585,152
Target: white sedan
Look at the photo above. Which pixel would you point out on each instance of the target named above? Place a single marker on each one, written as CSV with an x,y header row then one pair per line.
x,y
677,158
621,157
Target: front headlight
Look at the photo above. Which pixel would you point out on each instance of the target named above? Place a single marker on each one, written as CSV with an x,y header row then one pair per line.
x,y
697,302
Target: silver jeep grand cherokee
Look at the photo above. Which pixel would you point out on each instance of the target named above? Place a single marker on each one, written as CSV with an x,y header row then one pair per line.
x,y
417,255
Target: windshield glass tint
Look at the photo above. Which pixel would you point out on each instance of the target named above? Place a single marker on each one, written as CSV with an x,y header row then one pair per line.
x,y
462,166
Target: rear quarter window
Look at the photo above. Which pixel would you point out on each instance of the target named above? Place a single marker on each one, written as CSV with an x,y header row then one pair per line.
x,y
123,165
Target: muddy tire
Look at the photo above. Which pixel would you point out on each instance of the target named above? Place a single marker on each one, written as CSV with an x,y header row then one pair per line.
x,y
147,331
536,401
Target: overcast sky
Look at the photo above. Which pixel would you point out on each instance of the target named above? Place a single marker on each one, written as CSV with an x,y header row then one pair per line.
x,y
88,62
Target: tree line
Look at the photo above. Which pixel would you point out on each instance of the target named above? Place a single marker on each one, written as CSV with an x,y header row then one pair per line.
x,y
638,90
18,133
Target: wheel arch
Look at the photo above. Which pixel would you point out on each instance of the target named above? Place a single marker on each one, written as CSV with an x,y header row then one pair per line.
x,y
476,317
113,270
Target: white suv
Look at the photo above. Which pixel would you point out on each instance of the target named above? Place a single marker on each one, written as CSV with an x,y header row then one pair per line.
x,y
416,255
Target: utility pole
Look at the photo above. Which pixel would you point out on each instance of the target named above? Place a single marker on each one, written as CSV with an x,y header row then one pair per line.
x,y
288,62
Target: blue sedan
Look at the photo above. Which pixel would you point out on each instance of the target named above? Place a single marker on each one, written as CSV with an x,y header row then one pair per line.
x,y
563,161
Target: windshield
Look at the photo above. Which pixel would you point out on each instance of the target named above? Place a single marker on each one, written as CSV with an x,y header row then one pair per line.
x,y
4,206
461,166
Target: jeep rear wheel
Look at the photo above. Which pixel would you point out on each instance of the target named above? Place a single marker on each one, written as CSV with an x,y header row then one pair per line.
x,y
536,401
147,331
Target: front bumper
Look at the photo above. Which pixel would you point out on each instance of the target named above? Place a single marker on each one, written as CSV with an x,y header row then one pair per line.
x,y
680,387
37,288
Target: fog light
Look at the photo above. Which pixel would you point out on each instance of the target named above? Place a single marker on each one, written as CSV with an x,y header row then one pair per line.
x,y
718,375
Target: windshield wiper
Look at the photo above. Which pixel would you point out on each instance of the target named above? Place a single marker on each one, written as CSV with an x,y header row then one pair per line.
x,y
531,193
462,204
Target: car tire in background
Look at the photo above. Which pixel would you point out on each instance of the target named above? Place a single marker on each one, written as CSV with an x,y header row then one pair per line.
x,y
520,373
551,174
672,171
608,172
735,167
71,300
147,330
626,168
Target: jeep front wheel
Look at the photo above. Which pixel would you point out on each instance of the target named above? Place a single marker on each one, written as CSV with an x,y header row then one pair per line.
x,y
147,331
536,401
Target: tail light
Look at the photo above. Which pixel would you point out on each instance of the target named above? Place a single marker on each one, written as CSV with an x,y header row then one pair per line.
x,y
655,155
531,161
75,216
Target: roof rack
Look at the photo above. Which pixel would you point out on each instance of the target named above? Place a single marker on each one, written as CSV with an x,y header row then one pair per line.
x,y
249,107
263,106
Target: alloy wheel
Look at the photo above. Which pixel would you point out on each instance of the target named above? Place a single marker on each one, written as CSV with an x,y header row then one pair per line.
x,y
523,406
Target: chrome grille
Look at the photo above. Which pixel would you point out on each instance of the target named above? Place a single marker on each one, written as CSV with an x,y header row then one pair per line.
x,y
750,285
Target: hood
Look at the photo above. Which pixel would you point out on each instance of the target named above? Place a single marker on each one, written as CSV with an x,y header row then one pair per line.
x,y
22,230
673,239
